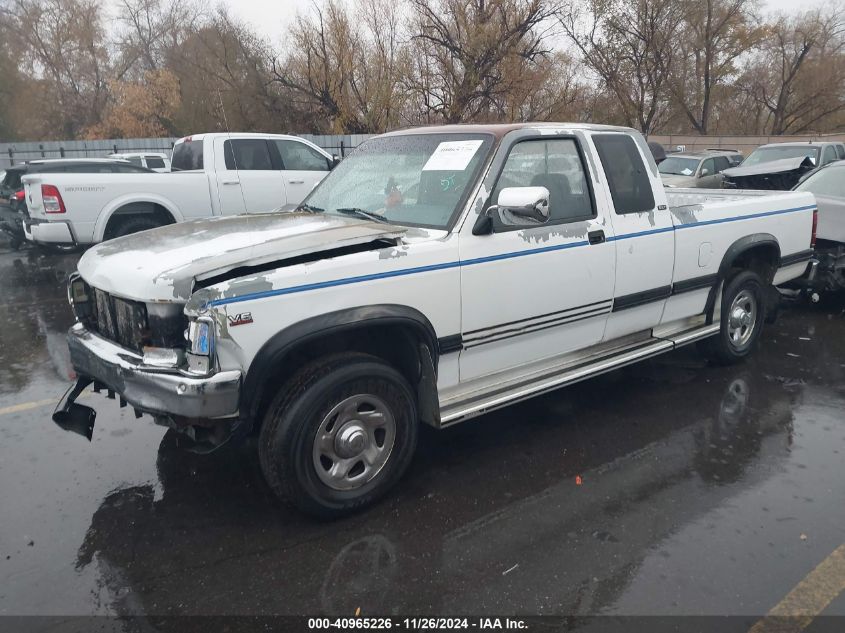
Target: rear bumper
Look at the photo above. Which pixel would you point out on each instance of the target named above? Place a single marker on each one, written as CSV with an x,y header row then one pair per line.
x,y
148,389
44,232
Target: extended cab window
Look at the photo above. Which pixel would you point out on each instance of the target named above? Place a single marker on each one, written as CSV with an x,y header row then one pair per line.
x,y
247,154
556,165
626,173
299,157
154,162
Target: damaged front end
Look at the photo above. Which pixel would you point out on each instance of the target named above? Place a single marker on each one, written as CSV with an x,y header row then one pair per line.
x,y
153,358
776,175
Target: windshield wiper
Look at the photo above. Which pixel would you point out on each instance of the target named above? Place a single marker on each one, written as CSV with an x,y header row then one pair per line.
x,y
310,208
362,214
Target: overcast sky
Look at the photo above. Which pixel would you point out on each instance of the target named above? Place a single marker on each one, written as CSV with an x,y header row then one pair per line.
x,y
270,17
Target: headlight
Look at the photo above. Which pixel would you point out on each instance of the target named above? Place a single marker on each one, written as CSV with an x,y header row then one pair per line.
x,y
200,336
78,291
79,297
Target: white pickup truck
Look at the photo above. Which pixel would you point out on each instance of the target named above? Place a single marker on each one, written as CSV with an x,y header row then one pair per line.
x,y
436,274
212,174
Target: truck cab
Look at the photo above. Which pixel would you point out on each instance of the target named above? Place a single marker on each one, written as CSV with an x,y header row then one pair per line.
x,y
210,175
435,275
254,173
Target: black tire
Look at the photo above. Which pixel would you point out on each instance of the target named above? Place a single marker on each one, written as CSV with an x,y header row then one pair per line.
x,y
724,349
287,443
134,224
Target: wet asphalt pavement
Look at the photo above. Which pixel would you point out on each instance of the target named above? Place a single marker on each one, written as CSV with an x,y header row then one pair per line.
x,y
670,487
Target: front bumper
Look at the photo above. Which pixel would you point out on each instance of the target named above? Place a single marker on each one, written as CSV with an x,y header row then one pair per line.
x,y
43,232
152,390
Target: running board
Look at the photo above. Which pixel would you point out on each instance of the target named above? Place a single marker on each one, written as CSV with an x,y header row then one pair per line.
x,y
569,375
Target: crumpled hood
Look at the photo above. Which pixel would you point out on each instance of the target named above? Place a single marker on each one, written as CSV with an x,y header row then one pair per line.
x,y
162,264
771,167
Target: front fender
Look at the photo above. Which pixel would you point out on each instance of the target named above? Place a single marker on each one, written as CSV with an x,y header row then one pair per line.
x,y
272,354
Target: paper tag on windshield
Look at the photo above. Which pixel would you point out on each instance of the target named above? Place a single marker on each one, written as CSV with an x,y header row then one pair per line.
x,y
687,172
452,156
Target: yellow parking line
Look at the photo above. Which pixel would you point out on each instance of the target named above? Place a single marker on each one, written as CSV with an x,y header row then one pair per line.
x,y
26,406
809,597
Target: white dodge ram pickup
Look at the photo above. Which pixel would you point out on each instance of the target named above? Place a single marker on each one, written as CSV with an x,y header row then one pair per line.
x,y
212,174
434,275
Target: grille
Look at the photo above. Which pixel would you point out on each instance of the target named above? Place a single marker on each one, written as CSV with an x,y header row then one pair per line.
x,y
128,323
121,321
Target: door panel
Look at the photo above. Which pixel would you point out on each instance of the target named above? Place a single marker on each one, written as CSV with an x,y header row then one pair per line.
x,y
538,292
644,236
248,183
302,168
712,179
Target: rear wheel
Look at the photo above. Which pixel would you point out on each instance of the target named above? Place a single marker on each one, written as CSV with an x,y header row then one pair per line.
x,y
742,317
133,224
339,434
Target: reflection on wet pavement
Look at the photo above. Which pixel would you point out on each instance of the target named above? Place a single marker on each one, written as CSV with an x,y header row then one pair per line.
x,y
696,486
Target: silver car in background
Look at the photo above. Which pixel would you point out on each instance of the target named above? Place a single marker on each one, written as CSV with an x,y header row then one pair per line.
x,y
828,185
697,169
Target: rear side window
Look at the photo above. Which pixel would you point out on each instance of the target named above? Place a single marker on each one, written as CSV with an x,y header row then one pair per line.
x,y
626,173
187,156
722,163
840,150
248,154
154,162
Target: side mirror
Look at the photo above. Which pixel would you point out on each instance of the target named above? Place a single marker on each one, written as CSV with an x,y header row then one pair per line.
x,y
523,205
704,172
335,160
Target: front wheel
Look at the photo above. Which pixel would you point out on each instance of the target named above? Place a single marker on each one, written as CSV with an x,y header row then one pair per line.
x,y
742,318
339,434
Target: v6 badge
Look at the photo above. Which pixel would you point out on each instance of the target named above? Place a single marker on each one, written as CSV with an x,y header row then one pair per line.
x,y
240,319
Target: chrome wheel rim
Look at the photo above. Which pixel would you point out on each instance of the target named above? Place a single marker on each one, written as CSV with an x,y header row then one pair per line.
x,y
742,318
354,442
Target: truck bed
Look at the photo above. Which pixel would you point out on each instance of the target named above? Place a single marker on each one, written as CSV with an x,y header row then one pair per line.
x,y
689,197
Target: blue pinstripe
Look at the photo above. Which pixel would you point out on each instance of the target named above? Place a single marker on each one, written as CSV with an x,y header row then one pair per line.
x,y
483,260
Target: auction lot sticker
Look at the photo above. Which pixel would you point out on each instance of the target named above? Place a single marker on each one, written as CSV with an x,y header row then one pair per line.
x,y
452,156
